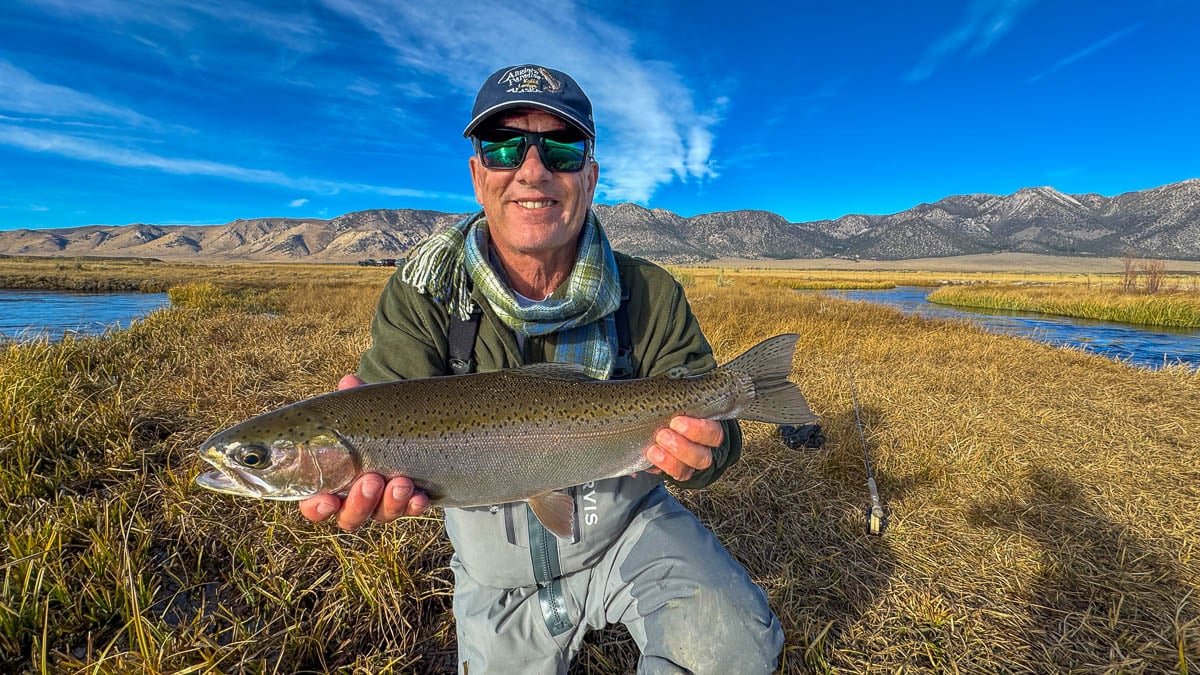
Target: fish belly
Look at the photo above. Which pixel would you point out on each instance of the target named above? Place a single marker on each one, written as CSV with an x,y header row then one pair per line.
x,y
499,437
502,467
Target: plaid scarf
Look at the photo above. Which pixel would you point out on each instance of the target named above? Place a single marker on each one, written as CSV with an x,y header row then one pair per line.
x,y
578,315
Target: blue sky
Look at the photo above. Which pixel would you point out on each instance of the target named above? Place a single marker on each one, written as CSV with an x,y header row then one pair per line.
x,y
205,111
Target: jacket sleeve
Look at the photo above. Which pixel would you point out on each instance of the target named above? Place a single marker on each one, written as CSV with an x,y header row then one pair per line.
x,y
408,336
673,338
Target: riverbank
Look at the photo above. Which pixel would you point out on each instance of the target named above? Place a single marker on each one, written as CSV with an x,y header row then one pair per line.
x,y
1017,263
1179,308
140,274
1034,496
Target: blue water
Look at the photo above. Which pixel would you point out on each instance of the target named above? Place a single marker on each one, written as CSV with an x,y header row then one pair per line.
x,y
1144,346
27,315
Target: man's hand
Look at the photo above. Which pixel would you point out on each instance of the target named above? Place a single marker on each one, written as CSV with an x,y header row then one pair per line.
x,y
368,496
685,448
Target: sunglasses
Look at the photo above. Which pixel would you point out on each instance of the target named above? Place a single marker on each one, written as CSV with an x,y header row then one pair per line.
x,y
564,151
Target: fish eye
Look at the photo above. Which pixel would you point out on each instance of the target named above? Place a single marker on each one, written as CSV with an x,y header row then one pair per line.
x,y
253,456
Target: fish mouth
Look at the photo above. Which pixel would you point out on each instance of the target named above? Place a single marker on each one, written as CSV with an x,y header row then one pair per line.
x,y
220,481
225,480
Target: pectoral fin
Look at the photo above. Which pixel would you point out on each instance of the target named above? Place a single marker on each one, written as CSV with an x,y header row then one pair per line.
x,y
556,512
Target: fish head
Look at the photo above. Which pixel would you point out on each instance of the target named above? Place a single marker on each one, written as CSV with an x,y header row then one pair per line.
x,y
277,466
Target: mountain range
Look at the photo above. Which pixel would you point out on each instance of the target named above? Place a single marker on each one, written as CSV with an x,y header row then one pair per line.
x,y
1162,222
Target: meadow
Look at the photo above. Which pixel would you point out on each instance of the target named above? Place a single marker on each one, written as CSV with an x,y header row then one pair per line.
x,y
1041,500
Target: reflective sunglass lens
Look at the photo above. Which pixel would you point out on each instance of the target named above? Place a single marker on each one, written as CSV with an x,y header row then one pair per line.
x,y
563,156
505,154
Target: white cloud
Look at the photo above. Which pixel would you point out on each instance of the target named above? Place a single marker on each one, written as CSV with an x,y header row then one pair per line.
x,y
651,132
295,31
986,21
1087,51
24,93
103,153
363,87
297,203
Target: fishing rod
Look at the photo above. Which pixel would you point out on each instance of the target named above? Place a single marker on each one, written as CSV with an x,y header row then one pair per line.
x,y
876,516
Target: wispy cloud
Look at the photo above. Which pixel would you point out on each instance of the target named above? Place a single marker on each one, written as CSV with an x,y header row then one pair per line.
x,y
87,150
653,130
986,21
295,31
1087,51
26,94
297,203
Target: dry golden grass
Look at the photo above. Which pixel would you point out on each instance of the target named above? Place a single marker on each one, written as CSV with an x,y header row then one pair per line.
x,y
1178,307
1040,499
884,277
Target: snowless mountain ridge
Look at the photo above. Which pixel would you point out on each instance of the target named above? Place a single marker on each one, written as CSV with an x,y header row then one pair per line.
x,y
1162,222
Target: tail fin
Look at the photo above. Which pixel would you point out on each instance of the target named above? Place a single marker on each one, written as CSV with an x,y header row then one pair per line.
x,y
772,398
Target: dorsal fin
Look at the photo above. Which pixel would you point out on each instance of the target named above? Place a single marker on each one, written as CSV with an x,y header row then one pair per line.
x,y
554,370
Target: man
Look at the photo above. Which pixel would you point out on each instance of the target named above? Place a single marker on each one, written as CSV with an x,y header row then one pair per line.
x,y
533,274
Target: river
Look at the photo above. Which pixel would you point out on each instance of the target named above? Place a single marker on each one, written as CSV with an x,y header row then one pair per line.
x,y
26,315
1143,346
30,314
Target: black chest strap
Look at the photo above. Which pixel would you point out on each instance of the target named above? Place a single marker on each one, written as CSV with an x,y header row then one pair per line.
x,y
623,368
461,339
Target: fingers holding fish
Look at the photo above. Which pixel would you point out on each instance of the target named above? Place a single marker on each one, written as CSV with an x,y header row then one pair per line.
x,y
319,507
349,382
708,433
361,502
400,498
684,448
366,501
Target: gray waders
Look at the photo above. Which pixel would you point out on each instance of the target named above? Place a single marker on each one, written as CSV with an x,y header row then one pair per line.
x,y
687,603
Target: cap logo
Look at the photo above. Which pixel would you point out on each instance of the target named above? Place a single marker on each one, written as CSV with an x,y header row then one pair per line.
x,y
529,80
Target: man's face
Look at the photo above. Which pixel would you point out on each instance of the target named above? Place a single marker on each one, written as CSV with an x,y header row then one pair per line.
x,y
531,209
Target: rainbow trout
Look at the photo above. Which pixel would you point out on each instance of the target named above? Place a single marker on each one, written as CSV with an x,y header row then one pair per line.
x,y
490,438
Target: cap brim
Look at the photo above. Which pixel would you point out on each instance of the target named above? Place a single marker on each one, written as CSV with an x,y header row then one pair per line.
x,y
509,105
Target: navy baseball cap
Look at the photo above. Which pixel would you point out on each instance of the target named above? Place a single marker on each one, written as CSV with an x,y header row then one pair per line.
x,y
531,86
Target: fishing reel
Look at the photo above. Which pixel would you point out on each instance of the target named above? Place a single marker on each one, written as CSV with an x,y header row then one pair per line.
x,y
876,517
877,520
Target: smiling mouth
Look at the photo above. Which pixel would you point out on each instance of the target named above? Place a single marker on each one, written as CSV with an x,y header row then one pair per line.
x,y
539,204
